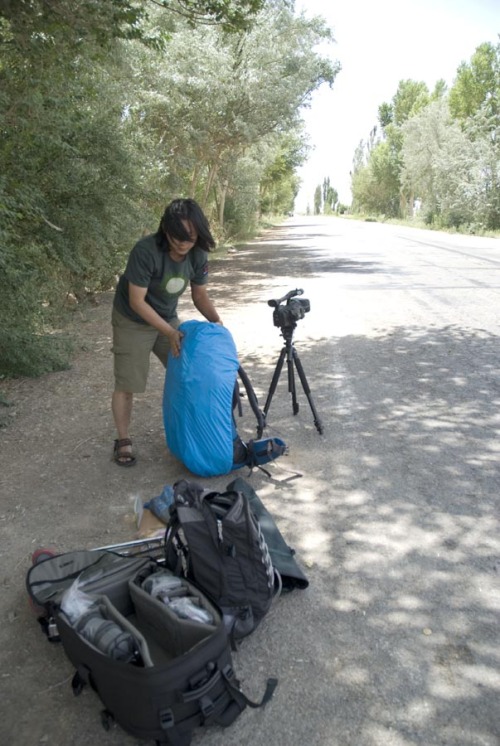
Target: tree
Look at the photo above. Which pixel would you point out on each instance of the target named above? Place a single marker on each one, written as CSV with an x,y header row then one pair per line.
x,y
455,168
477,84
330,197
375,187
222,95
317,200
433,154
383,159
279,184
475,102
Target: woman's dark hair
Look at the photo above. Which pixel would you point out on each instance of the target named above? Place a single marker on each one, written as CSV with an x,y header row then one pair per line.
x,y
171,223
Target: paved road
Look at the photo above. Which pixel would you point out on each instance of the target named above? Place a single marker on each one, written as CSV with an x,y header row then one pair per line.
x,y
393,510
396,515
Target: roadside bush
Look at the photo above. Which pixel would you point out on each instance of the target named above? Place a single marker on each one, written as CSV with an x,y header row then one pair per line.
x,y
29,354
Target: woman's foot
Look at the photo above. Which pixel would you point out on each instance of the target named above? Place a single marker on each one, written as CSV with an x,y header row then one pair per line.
x,y
122,453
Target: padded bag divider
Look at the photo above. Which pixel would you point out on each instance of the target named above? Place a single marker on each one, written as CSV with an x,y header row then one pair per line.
x,y
175,635
111,612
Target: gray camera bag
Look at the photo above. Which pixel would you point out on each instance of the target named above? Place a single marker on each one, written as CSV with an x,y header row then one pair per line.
x,y
177,675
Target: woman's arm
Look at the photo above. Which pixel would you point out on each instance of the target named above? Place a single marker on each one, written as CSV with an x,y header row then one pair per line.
x,y
203,303
138,303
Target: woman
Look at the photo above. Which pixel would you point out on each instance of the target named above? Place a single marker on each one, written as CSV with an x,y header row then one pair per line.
x,y
144,317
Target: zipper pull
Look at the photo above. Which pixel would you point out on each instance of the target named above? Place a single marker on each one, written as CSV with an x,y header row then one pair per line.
x,y
219,530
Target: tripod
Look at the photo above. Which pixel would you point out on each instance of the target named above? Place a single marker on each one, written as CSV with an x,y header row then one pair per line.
x,y
292,358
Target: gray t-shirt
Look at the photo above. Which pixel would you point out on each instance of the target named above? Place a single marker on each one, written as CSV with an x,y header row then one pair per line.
x,y
150,266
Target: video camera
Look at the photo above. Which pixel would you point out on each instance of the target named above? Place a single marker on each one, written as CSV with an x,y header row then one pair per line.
x,y
286,316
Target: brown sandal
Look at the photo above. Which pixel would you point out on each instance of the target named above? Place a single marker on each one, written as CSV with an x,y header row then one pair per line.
x,y
121,457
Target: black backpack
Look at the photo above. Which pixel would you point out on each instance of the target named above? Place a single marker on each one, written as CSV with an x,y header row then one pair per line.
x,y
151,645
214,540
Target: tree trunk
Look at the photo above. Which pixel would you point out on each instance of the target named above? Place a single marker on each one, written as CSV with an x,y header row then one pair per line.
x,y
194,180
211,176
411,202
222,203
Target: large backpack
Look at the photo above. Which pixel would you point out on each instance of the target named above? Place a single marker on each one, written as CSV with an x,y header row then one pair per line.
x,y
199,399
215,540
151,645
282,555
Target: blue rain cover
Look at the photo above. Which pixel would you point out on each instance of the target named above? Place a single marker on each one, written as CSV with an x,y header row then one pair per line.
x,y
197,399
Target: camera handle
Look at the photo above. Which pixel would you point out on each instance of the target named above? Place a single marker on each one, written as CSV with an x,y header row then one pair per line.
x,y
291,294
289,352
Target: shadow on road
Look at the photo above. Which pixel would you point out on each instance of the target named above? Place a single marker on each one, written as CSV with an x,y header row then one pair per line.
x,y
404,535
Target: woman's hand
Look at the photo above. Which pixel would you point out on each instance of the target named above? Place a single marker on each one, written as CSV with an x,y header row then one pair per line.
x,y
175,337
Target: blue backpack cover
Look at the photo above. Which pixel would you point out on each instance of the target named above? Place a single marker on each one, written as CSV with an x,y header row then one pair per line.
x,y
198,402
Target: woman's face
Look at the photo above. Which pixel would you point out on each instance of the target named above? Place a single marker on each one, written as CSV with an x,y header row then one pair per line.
x,y
179,249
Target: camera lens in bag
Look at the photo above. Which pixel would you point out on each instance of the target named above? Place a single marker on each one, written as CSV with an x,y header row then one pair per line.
x,y
107,636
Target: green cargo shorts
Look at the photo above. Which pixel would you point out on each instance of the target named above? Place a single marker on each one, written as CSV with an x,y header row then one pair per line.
x,y
133,344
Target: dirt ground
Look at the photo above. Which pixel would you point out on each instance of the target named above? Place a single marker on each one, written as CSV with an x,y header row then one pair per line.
x,y
60,488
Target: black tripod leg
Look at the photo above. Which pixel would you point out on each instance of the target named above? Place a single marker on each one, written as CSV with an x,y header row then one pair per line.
x,y
274,381
307,390
291,380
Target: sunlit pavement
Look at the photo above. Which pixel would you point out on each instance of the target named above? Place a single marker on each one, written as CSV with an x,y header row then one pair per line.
x,y
395,515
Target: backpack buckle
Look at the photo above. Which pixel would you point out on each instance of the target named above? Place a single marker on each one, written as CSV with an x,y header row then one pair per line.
x,y
206,706
166,719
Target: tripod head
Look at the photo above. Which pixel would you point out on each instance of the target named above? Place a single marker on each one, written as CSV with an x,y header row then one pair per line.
x,y
288,310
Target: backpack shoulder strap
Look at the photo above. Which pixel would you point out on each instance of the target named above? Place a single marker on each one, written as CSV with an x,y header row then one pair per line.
x,y
176,553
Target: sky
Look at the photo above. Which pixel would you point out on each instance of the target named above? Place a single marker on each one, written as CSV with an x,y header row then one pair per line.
x,y
379,44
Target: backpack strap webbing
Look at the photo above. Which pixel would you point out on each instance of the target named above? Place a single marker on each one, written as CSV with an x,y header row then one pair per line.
x,y
242,698
252,399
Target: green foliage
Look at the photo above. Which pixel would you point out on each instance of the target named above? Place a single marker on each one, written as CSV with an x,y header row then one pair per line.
x,y
64,194
318,200
4,414
477,84
101,22
238,99
241,210
279,184
325,198
232,16
29,354
376,186
442,150
330,197
410,98
455,165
